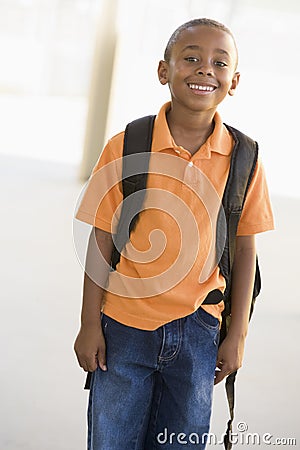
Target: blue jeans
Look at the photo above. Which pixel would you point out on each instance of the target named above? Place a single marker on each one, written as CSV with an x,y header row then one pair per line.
x,y
157,391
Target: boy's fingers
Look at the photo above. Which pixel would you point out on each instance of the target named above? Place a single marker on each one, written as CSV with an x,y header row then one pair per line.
x,y
89,364
219,376
221,372
82,363
89,359
220,364
102,360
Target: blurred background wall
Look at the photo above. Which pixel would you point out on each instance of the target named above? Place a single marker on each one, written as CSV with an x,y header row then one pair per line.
x,y
72,73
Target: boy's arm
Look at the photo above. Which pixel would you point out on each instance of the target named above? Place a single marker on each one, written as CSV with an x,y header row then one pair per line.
x,y
90,344
231,350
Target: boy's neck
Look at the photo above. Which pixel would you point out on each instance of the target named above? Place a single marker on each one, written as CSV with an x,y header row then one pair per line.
x,y
190,130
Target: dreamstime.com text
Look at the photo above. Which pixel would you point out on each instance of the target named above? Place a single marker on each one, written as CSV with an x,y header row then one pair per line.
x,y
241,437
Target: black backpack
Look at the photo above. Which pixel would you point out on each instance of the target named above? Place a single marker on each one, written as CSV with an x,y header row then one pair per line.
x,y
138,139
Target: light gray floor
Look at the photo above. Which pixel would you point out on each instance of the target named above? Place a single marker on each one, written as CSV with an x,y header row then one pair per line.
x,y
43,406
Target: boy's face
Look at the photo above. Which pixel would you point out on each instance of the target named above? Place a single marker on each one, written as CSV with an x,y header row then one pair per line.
x,y
201,70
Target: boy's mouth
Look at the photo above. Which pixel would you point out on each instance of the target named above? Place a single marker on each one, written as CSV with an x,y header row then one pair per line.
x,y
201,87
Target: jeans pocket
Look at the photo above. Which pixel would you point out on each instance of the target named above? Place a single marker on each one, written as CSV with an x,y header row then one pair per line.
x,y
207,320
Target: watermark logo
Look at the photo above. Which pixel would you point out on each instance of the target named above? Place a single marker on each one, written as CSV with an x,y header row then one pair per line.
x,y
242,436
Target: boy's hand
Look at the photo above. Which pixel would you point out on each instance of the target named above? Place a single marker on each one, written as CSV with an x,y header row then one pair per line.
x,y
90,348
230,357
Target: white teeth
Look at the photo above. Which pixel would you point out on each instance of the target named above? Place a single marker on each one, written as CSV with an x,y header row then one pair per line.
x,y
201,88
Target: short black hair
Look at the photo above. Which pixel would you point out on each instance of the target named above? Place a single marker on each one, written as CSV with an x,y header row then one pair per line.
x,y
194,23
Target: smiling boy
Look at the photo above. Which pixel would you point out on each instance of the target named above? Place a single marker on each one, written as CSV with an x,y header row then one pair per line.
x,y
153,356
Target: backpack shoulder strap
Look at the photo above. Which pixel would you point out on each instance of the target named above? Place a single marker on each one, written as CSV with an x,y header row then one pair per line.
x,y
242,167
243,163
137,140
138,136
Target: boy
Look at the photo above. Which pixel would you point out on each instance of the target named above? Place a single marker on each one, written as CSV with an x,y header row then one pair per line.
x,y
155,351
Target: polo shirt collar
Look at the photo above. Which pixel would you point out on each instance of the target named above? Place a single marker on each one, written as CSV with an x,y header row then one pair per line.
x,y
220,141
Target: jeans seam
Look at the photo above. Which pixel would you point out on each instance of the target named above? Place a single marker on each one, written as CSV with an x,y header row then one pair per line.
x,y
142,421
163,343
154,422
175,353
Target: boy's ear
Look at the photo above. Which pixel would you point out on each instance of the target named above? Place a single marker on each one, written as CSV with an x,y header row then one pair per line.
x,y
163,72
235,82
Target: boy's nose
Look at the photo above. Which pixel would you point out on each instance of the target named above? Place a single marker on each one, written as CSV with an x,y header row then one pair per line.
x,y
205,70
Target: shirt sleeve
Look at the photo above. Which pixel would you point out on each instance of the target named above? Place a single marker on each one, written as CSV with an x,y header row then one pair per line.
x,y
257,215
103,192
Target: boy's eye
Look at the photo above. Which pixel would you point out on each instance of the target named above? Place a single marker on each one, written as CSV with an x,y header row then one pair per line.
x,y
191,59
221,64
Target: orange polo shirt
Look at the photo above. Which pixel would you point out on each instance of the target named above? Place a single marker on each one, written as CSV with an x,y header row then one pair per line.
x,y
168,267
